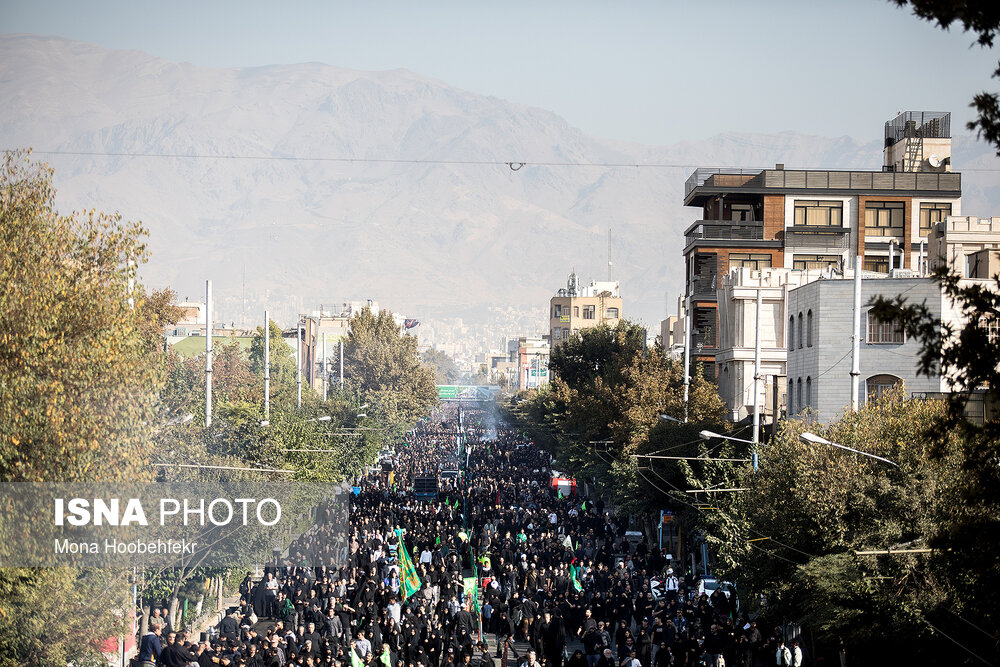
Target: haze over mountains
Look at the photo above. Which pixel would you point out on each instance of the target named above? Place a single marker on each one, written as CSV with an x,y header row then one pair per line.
x,y
295,185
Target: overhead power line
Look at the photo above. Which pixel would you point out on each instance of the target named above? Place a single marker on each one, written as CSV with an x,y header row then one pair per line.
x,y
513,165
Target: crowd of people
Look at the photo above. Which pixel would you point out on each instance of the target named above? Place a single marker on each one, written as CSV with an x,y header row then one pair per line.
x,y
552,575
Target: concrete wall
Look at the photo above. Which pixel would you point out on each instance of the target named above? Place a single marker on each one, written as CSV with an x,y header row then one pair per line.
x,y
827,363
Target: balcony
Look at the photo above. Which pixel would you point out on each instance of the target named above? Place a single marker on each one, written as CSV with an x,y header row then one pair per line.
x,y
723,230
719,177
818,238
702,287
703,342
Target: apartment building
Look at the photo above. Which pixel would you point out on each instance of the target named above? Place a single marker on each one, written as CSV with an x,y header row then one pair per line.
x,y
530,355
816,219
575,307
820,336
964,245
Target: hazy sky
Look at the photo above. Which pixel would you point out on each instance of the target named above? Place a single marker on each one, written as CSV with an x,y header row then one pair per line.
x,y
647,71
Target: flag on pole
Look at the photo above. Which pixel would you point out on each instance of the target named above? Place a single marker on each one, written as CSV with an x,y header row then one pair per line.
x,y
584,506
574,578
409,582
386,659
356,659
560,494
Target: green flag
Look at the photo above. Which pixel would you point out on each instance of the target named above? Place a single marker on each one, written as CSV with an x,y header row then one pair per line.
x,y
386,659
560,494
574,578
456,503
355,660
470,586
409,582
584,506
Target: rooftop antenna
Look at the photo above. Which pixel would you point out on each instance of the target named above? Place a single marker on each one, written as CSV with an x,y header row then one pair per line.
x,y
609,254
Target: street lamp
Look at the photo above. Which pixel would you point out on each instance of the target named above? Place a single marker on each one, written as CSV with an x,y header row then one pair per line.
x,y
671,419
708,435
324,418
813,439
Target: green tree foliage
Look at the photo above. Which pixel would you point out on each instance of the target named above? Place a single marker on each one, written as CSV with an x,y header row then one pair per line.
x,y
79,370
969,355
81,367
383,367
445,369
282,362
609,389
793,534
983,20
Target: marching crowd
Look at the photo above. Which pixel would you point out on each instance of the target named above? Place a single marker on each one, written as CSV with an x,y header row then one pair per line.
x,y
551,572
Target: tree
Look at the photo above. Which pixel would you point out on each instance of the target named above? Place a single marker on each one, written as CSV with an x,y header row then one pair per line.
x,y
79,373
445,369
968,354
983,20
792,535
384,368
81,368
282,362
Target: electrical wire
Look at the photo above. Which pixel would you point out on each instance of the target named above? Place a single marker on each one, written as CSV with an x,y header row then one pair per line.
x,y
957,643
513,165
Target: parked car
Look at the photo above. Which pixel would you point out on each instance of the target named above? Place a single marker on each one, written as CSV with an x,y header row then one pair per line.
x,y
708,585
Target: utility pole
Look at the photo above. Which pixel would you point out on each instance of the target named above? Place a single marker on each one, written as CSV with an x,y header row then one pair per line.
x,y
756,380
687,354
208,353
324,373
298,363
856,338
341,344
267,367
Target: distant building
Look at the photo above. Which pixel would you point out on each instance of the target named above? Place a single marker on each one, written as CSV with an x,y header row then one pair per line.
x,y
530,356
817,218
672,332
576,307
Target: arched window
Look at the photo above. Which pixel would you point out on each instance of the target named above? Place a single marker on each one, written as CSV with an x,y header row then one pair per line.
x,y
809,328
798,394
799,332
809,392
877,385
790,398
791,333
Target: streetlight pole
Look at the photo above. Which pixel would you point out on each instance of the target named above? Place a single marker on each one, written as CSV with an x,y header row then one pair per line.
x,y
756,381
687,354
298,363
324,373
267,366
813,439
208,353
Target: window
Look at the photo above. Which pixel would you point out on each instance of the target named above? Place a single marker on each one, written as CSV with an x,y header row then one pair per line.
x,y
791,332
809,329
884,218
576,311
876,264
588,312
798,334
790,408
877,385
803,262
798,393
884,332
565,333
749,261
809,384
931,214
812,213
612,313
557,310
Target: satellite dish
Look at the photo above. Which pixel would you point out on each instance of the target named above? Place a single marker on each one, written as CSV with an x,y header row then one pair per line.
x,y
934,161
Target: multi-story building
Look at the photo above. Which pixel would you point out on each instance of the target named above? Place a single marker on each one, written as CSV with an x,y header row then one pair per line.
x,y
576,307
531,356
816,218
819,343
958,242
739,336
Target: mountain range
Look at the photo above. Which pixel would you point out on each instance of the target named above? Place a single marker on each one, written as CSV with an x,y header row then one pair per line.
x,y
292,186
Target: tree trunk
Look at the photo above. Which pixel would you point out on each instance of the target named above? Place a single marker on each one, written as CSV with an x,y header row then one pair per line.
x,y
144,620
172,613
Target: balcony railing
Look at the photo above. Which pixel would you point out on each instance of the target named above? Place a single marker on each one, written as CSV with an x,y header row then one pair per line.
x,y
820,238
722,177
703,341
862,180
722,230
702,287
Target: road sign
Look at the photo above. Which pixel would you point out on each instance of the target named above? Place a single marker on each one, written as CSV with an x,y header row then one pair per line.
x,y
539,372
